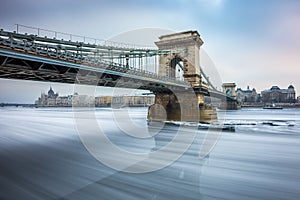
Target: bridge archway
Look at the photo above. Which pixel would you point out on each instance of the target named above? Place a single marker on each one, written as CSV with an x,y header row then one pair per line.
x,y
176,69
229,92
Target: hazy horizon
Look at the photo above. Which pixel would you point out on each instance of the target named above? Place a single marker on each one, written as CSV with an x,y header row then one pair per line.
x,y
29,91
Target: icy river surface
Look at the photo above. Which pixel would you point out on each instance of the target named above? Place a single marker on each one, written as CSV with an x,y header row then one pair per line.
x,y
44,155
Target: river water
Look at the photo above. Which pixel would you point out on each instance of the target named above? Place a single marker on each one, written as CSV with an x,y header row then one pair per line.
x,y
43,156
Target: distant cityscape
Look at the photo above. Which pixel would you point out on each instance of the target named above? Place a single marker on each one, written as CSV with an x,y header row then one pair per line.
x,y
245,97
274,95
52,99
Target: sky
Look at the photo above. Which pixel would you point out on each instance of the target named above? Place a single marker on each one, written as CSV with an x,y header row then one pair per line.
x,y
250,42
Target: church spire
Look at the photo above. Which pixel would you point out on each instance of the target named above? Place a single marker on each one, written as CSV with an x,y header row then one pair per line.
x,y
50,92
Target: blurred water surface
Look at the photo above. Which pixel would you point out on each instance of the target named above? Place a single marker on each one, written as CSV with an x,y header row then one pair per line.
x,y
42,157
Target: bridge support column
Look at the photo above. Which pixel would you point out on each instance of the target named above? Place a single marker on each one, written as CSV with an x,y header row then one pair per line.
x,y
183,107
230,105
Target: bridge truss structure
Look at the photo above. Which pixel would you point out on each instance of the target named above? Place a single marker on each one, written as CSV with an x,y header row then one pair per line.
x,y
102,63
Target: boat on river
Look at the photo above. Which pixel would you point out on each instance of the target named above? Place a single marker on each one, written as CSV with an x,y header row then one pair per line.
x,y
273,106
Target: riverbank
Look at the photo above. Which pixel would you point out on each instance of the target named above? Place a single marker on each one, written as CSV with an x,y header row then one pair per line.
x,y
16,105
260,105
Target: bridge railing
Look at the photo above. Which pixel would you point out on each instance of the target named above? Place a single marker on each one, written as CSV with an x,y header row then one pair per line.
x,y
74,37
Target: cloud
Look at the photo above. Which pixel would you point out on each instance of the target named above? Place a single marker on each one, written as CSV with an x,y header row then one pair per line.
x,y
208,2
217,2
287,31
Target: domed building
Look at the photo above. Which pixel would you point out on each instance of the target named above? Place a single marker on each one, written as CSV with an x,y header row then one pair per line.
x,y
277,95
48,99
51,94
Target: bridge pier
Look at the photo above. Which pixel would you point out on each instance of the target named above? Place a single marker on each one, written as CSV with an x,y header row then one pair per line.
x,y
184,106
230,105
182,63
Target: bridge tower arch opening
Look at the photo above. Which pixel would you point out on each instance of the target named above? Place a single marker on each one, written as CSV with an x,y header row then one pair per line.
x,y
176,69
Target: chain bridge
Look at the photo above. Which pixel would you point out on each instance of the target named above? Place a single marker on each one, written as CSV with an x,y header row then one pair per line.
x,y
172,71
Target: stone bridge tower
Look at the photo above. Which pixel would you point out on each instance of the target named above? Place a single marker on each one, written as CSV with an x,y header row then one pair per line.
x,y
229,90
185,51
182,63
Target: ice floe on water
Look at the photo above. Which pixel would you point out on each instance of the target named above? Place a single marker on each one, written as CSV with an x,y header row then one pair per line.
x,y
255,123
